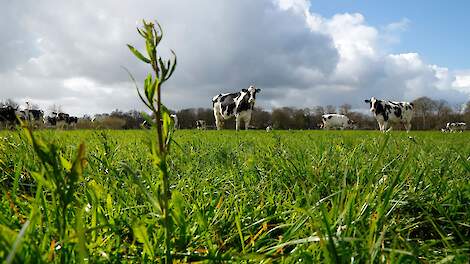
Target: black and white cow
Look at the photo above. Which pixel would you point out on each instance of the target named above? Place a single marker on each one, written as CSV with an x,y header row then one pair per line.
x,y
386,112
51,120
8,115
201,124
62,119
35,115
336,121
239,104
72,121
455,126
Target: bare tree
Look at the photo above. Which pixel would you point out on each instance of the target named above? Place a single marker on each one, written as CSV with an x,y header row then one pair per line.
x,y
330,109
55,108
344,109
424,107
466,113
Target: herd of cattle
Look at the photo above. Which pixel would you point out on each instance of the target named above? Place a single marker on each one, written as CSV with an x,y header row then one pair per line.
x,y
240,105
387,113
10,116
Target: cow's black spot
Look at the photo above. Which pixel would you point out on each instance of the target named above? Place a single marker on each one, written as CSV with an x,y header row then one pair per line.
x,y
329,117
227,103
244,105
380,109
388,111
397,111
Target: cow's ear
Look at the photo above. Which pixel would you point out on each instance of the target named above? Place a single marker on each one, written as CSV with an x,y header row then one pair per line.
x,y
258,90
244,90
367,101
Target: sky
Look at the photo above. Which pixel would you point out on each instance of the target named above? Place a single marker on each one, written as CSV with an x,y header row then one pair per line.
x,y
299,53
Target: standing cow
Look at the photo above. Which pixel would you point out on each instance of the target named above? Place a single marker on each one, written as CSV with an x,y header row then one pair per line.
x,y
455,126
393,112
239,104
335,121
8,116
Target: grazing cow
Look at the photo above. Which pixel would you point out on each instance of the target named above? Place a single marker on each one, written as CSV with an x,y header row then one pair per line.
x,y
8,115
35,115
336,121
455,126
393,112
51,120
62,119
239,104
72,121
201,124
269,128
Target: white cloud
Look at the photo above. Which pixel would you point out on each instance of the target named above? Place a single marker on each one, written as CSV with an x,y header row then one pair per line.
x,y
401,25
462,83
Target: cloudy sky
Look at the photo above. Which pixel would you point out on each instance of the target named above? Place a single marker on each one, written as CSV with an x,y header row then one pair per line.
x,y
300,53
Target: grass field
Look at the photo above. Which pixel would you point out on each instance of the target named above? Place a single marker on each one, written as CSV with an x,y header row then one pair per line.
x,y
286,196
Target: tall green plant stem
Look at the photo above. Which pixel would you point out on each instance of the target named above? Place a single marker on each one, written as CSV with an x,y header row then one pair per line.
x,y
152,86
165,179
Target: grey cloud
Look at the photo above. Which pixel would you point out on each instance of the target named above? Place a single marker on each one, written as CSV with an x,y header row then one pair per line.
x,y
221,46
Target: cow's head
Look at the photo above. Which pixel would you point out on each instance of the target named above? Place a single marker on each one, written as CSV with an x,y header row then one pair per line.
x,y
251,91
372,103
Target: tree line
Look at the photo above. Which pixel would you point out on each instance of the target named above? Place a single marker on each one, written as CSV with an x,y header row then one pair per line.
x,y
429,114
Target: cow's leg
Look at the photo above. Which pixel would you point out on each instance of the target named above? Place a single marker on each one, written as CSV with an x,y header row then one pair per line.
x,y
218,121
407,127
385,125
247,122
381,125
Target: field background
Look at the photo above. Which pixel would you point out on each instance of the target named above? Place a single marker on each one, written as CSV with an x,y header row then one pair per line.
x,y
345,196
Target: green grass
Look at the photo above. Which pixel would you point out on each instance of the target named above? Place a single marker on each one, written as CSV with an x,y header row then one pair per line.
x,y
344,196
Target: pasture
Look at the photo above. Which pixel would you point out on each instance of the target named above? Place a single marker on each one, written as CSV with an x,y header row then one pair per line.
x,y
284,196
